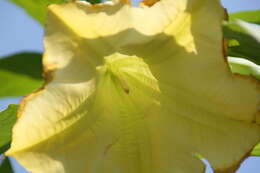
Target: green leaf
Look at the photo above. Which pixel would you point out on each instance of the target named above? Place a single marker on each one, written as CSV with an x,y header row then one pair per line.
x,y
256,151
244,67
93,1
247,46
5,147
7,120
6,167
20,74
252,16
251,29
36,8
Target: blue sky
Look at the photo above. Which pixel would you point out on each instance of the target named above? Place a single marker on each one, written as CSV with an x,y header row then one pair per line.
x,y
18,32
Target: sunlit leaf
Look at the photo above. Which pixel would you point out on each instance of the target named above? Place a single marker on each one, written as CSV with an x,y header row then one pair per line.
x,y
252,16
20,74
36,8
244,67
251,29
256,151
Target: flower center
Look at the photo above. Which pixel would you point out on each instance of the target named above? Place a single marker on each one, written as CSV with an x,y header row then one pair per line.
x,y
128,77
127,72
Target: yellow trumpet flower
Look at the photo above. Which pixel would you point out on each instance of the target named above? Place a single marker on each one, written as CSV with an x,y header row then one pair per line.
x,y
137,90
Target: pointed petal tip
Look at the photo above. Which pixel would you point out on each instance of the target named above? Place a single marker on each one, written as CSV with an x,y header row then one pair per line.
x,y
233,168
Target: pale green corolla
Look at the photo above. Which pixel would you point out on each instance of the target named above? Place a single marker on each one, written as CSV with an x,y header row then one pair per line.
x,y
136,90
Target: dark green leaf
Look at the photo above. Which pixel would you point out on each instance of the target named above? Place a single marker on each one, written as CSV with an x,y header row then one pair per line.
x,y
20,74
5,147
93,1
7,120
6,167
246,46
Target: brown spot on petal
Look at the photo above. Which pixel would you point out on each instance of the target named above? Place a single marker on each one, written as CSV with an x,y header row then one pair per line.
x,y
226,16
225,48
126,1
148,2
224,40
48,70
48,76
225,52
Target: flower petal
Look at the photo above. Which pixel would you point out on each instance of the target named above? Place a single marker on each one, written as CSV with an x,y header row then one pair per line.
x,y
214,110
137,89
97,133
